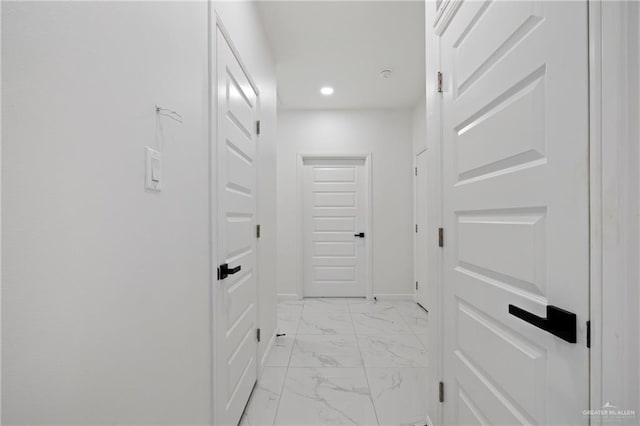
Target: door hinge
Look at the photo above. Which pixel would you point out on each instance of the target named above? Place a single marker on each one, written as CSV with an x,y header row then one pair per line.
x,y
416,228
258,334
439,82
416,285
588,334
441,391
258,127
416,171
440,237
257,231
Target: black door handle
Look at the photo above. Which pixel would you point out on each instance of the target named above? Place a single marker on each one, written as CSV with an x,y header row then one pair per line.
x,y
359,235
224,271
558,322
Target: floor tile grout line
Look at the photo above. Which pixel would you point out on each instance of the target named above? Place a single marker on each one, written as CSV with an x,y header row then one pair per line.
x,y
364,368
286,373
356,336
416,334
284,382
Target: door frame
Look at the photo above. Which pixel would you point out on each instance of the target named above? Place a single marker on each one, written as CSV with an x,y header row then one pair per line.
x,y
614,193
614,111
368,170
215,23
415,219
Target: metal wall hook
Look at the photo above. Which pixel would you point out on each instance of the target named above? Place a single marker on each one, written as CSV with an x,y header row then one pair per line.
x,y
169,113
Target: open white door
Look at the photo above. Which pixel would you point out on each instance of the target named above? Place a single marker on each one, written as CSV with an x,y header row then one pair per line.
x,y
335,234
515,123
235,311
421,261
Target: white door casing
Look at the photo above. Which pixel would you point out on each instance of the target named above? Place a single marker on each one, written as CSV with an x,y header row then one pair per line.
x,y
235,297
334,197
421,241
434,211
515,192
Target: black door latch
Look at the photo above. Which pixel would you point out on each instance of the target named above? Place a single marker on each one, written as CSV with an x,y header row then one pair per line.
x,y
224,271
359,235
558,322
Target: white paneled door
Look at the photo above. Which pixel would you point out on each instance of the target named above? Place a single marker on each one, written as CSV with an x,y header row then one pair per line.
x,y
422,285
335,228
235,318
516,247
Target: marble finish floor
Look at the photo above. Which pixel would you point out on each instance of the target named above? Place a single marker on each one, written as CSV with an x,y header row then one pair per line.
x,y
344,361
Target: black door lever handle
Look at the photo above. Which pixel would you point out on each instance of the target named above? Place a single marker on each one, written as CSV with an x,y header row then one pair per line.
x,y
359,235
558,322
224,271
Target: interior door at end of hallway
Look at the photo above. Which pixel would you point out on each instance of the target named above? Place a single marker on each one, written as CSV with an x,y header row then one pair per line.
x,y
335,228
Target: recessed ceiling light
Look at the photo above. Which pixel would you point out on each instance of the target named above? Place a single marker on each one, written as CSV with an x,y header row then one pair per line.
x,y
327,91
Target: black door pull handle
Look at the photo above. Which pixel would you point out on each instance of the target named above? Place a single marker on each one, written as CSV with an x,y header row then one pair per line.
x,y
558,322
359,235
224,271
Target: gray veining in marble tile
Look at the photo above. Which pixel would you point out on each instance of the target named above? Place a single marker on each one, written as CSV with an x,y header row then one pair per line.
x,y
326,304
415,317
326,396
423,338
366,306
325,322
281,351
399,395
381,322
401,350
288,320
325,351
330,340
262,407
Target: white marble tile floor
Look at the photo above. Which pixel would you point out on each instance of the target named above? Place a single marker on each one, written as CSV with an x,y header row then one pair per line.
x,y
344,362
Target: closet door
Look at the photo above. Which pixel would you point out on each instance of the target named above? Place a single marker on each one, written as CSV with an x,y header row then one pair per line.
x,y
236,292
516,249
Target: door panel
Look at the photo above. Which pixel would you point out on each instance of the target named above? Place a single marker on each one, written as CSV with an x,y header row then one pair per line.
x,y
515,190
334,202
235,296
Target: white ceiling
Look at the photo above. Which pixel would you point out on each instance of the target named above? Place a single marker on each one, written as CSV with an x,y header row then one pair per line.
x,y
345,44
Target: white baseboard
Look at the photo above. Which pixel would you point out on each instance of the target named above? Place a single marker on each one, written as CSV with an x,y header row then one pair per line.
x,y
288,296
408,296
381,296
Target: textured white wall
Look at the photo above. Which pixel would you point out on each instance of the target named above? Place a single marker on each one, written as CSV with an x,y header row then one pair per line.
x,y
105,300
387,135
419,116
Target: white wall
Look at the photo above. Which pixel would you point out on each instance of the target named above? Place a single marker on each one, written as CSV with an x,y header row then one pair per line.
x,y
387,135
419,126
106,287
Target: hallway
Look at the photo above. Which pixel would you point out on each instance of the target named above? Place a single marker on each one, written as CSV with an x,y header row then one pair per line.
x,y
344,361
312,213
